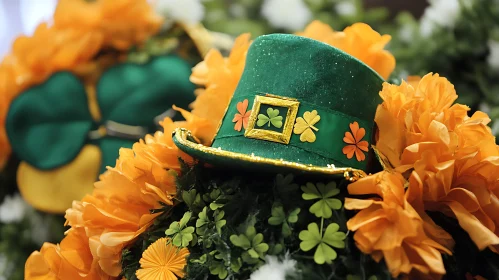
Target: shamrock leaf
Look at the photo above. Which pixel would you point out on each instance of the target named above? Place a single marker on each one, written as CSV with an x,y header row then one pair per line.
x,y
216,198
251,242
293,215
305,126
271,118
324,194
279,217
219,222
202,221
191,198
334,237
312,238
284,184
181,235
218,268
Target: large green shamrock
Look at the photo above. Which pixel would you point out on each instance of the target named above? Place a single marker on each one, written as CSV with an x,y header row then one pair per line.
x,y
313,237
48,124
324,193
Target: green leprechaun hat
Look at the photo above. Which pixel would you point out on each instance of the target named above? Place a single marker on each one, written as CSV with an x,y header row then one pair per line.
x,y
312,109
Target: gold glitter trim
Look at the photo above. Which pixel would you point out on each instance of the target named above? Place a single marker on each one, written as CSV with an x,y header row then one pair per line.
x,y
262,134
185,138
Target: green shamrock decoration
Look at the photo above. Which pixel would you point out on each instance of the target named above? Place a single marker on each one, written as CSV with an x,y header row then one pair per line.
x,y
323,207
204,221
59,122
218,268
251,242
271,118
192,199
312,238
181,234
279,217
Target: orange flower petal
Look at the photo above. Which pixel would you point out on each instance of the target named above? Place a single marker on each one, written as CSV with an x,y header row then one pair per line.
x,y
349,150
245,122
360,134
363,145
349,138
242,107
354,127
239,125
359,154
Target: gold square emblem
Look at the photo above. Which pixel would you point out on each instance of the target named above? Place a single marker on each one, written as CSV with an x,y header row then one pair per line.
x,y
272,118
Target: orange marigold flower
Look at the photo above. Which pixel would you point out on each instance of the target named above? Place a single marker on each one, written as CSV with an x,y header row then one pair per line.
x,y
410,115
355,143
391,228
358,40
452,158
162,260
69,260
119,208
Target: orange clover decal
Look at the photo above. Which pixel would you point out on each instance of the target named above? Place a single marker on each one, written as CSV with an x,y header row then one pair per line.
x,y
241,118
355,145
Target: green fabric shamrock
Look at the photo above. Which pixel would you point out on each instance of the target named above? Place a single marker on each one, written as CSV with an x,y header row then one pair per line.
x,y
181,234
324,193
312,238
271,118
48,124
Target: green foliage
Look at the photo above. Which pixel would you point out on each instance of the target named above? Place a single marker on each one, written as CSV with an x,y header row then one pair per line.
x,y
313,237
252,242
245,15
324,193
279,217
179,231
239,219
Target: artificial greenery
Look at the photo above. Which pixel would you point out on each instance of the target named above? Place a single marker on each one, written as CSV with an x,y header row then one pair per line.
x,y
245,15
230,222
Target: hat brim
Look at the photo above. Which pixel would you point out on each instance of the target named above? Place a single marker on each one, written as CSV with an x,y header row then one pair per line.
x,y
186,142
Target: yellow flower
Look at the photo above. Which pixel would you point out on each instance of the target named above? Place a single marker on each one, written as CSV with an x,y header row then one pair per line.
x,y
162,260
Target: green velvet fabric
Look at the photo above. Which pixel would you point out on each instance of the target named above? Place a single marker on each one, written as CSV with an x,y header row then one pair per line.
x,y
341,88
48,124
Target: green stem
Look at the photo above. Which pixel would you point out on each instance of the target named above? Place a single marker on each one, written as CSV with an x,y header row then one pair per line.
x,y
322,224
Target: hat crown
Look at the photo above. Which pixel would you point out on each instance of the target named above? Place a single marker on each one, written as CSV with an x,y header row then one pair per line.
x,y
308,70
299,103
